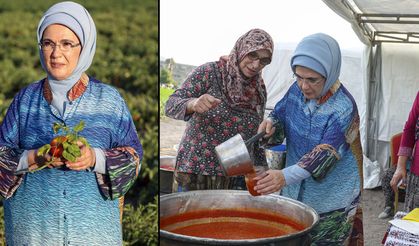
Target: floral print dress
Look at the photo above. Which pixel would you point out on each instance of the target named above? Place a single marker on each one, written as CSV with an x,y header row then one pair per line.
x,y
196,153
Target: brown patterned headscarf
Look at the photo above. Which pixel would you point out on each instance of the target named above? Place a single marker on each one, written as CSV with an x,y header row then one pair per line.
x,y
245,94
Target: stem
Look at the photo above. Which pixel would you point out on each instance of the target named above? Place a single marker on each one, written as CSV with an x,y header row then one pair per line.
x,y
41,167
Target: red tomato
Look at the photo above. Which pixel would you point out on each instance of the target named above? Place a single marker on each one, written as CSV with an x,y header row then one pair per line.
x,y
57,146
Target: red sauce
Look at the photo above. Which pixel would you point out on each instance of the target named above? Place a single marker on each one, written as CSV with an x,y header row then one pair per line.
x,y
250,183
230,224
167,167
240,169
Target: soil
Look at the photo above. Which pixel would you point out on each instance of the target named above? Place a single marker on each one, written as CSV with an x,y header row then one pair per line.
x,y
171,132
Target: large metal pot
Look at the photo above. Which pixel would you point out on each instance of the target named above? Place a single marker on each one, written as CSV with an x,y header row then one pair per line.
x,y
167,167
178,203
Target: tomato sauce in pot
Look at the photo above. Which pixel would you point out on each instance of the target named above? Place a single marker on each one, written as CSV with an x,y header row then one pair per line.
x,y
230,224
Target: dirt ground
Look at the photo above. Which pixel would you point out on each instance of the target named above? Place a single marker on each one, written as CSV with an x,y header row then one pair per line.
x,y
373,200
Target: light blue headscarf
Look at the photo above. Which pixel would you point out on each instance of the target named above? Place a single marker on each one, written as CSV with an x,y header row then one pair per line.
x,y
321,53
75,17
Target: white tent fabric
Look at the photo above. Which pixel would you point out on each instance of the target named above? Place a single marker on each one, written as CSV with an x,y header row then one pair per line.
x,y
390,30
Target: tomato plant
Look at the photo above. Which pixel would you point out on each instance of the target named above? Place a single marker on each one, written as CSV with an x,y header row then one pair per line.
x,y
66,145
57,147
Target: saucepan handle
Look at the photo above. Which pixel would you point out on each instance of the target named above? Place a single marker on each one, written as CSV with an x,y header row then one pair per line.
x,y
257,137
254,138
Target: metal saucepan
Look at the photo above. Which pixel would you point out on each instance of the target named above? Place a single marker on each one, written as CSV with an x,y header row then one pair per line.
x,y
234,156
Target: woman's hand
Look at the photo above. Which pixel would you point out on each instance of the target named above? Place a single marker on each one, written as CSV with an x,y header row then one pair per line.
x,y
35,161
272,182
400,172
398,175
202,104
85,161
266,126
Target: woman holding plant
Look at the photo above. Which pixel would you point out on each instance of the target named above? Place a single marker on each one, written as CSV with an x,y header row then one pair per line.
x,y
68,146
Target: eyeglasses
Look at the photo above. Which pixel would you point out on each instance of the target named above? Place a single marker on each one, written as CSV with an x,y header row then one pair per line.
x,y
65,45
311,81
253,56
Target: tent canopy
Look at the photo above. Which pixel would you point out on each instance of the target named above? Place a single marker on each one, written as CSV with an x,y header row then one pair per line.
x,y
390,29
376,21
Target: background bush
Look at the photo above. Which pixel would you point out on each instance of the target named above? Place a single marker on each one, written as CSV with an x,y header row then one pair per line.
x,y
126,57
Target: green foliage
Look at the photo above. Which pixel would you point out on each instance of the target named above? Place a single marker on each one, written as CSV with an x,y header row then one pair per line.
x,y
164,95
166,77
140,225
126,58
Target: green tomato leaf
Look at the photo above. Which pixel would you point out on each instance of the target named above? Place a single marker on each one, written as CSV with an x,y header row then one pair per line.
x,y
69,156
74,150
44,149
65,145
84,141
56,127
79,127
71,138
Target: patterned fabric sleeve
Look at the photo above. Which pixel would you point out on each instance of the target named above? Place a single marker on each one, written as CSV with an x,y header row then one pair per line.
x,y
195,85
339,136
122,165
319,161
409,130
9,159
123,161
9,152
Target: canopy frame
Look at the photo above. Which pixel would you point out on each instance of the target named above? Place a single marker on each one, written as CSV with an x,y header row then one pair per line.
x,y
364,21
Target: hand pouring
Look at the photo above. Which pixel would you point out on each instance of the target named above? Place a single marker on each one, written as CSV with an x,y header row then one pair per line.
x,y
234,156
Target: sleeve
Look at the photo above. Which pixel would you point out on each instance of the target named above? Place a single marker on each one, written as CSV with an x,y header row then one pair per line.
x,y
10,153
408,137
340,133
123,160
294,174
196,84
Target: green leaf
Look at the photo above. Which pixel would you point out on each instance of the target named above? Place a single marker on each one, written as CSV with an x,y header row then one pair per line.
x,y
84,141
74,150
69,156
79,127
65,145
44,149
71,138
56,127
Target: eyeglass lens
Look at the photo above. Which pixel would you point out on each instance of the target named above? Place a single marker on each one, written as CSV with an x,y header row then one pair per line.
x,y
254,56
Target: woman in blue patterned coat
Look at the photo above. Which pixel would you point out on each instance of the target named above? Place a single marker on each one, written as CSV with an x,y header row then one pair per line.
x,y
319,119
69,203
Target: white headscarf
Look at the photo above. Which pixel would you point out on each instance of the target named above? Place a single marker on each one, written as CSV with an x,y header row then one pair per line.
x,y
78,19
